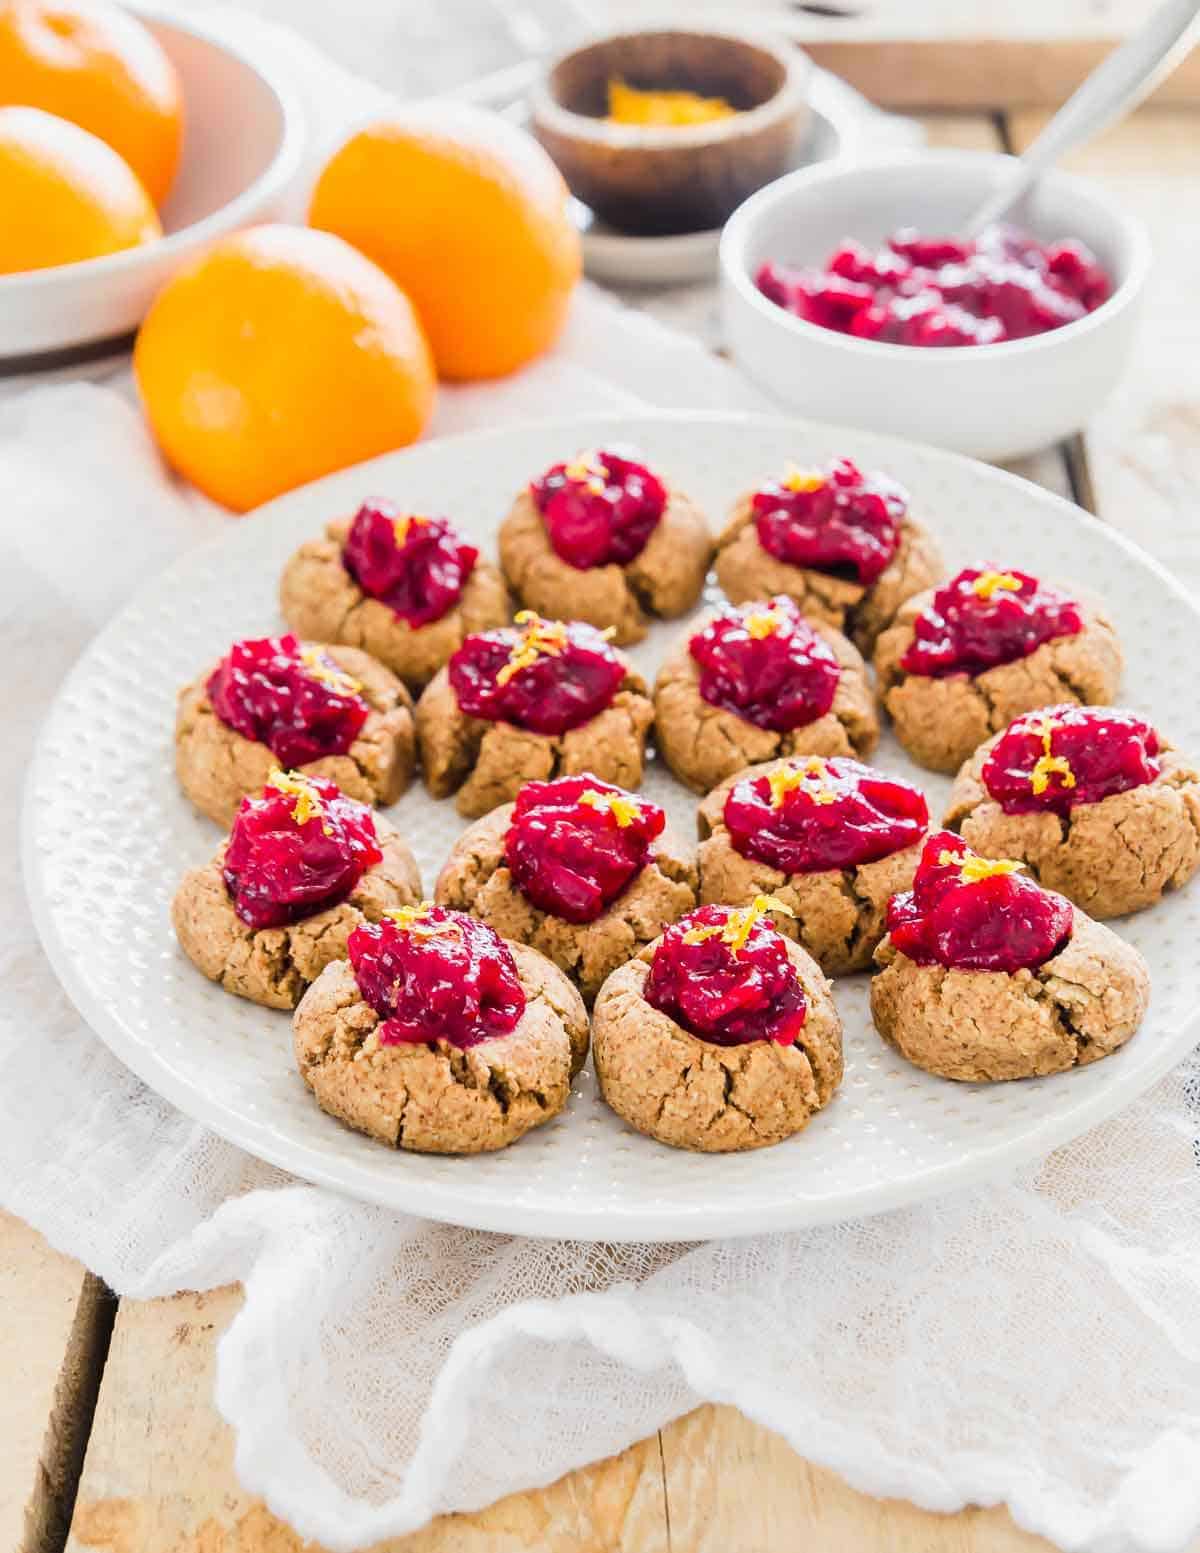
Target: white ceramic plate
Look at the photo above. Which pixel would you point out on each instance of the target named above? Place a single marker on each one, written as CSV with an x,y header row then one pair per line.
x,y
107,835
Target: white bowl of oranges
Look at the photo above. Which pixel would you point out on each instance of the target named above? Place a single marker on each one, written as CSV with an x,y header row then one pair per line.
x,y
127,145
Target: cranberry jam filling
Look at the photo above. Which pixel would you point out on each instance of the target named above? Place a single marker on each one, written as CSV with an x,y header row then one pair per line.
x,y
290,697
724,975
574,845
544,675
417,566
600,509
971,914
837,520
295,849
436,975
815,814
983,618
766,664
1062,756
943,291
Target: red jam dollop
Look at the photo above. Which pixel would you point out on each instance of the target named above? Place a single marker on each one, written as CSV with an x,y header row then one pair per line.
x,y
724,975
291,697
436,975
814,814
766,664
837,520
544,675
943,291
575,844
1062,756
982,618
973,914
297,848
600,509
416,565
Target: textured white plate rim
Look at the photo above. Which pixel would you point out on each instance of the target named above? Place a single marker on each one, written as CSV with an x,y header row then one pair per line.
x,y
452,1203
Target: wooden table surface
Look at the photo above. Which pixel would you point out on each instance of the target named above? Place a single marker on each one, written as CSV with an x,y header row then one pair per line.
x,y
108,1436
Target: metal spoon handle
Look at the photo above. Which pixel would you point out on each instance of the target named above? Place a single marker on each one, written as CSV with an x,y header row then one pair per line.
x,y
1117,84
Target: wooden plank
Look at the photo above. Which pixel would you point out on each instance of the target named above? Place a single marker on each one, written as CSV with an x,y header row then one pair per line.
x,y
159,1468
733,1485
54,1321
1143,448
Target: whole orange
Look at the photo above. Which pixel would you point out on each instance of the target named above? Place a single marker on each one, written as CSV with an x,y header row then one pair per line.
x,y
76,198
278,356
469,215
96,65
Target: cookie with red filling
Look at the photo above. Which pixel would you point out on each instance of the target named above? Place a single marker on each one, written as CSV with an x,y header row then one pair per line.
x,y
277,701
831,838
959,662
302,867
439,1036
1094,801
721,1035
405,587
756,681
839,541
605,539
582,870
535,700
986,975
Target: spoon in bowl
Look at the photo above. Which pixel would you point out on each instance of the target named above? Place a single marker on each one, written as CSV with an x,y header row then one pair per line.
x,y
1117,84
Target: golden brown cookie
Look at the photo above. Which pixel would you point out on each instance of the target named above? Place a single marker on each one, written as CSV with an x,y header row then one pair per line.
x,y
838,913
746,571
276,965
980,1026
665,580
940,721
437,1098
217,766
704,744
476,878
695,1094
320,600
487,763
1112,857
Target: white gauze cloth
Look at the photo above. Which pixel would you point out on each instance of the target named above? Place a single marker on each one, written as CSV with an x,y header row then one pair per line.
x,y
1034,1342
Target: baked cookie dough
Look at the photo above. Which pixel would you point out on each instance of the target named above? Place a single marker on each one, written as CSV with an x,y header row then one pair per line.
x,y
478,877
1124,832
435,1096
275,965
835,878
323,601
940,718
703,743
1065,992
694,1093
217,766
559,670
841,543
596,509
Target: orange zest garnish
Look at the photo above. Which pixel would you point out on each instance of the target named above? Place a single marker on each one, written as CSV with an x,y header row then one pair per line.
x,y
802,481
632,105
416,920
988,584
539,639
1048,765
624,810
291,784
738,925
319,668
588,469
972,868
812,777
762,623
401,527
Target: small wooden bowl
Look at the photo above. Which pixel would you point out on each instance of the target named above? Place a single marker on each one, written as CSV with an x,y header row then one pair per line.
x,y
660,179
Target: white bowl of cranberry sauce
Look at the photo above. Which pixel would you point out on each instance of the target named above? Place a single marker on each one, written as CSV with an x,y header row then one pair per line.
x,y
1072,267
